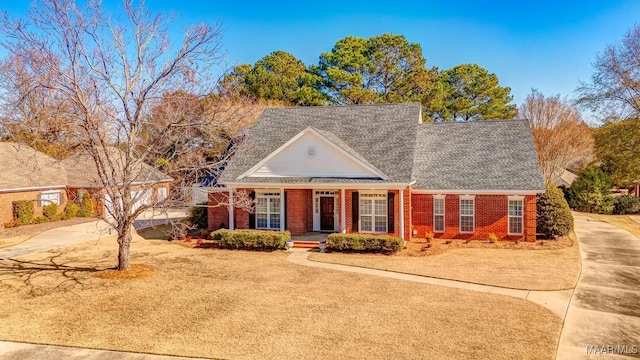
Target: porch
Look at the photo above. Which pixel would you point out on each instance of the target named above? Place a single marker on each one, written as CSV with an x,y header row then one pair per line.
x,y
309,239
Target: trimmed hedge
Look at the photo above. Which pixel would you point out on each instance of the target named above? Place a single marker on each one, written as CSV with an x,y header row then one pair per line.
x,y
251,239
627,204
50,211
364,243
23,211
553,214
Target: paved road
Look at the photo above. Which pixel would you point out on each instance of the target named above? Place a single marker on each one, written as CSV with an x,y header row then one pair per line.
x,y
605,307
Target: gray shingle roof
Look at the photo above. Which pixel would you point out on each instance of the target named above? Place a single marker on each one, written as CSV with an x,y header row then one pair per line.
x,y
479,155
483,155
24,167
82,171
383,134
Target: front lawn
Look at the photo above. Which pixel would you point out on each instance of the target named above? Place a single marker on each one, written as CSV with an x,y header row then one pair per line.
x,y
207,302
528,266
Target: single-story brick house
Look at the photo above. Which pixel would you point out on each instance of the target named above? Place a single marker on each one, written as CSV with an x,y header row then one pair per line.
x,y
28,174
380,169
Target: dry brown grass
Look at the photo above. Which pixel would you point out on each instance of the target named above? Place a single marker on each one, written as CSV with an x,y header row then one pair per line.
x,y
256,305
135,272
529,266
6,242
625,222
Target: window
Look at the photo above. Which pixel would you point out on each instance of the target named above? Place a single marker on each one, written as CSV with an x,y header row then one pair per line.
x,y
49,197
373,212
162,194
515,215
467,214
438,213
268,210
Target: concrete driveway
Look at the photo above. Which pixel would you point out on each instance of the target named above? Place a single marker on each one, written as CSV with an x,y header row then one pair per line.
x,y
605,307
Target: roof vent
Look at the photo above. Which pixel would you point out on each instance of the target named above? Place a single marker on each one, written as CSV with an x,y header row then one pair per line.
x,y
311,152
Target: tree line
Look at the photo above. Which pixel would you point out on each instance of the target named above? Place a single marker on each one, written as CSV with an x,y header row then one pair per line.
x,y
381,69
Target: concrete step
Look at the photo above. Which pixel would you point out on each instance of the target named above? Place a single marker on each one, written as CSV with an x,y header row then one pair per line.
x,y
305,244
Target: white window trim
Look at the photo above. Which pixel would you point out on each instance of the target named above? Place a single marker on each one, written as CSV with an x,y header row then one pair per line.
x,y
49,192
444,225
373,213
467,197
515,198
270,194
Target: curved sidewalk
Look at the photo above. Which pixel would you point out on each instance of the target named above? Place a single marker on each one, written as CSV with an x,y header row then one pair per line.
x,y
556,301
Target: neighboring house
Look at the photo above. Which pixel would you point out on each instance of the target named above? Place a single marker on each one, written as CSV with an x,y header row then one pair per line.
x,y
379,169
149,185
27,174
566,178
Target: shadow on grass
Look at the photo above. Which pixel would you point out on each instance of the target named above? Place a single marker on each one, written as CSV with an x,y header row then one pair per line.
x,y
39,277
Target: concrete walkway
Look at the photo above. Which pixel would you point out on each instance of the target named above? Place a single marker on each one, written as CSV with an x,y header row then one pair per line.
x,y
556,301
58,237
605,307
24,351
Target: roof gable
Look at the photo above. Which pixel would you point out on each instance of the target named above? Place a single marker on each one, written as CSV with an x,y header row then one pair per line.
x,y
24,167
314,153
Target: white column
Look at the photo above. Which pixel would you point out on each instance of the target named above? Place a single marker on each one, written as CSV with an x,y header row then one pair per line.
x,y
282,205
231,210
402,214
343,214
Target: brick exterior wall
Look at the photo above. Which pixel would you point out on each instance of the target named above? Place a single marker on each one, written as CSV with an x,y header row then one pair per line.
x,y
217,215
299,206
491,216
7,199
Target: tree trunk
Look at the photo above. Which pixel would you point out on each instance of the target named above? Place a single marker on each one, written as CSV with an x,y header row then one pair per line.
x,y
124,239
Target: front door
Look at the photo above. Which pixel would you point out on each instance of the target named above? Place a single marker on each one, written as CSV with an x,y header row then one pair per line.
x,y
326,213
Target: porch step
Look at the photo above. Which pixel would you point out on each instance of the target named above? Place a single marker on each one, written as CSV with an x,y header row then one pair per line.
x,y
305,244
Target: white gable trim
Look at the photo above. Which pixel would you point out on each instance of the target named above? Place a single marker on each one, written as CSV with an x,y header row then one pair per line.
x,y
262,162
477,192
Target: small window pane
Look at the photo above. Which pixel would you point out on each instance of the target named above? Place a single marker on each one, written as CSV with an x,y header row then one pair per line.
x,y
381,207
466,207
275,221
261,205
365,207
261,220
365,223
515,225
438,206
466,223
438,224
381,224
274,205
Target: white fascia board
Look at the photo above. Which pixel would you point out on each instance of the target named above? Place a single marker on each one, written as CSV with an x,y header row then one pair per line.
x,y
477,192
33,188
319,186
262,162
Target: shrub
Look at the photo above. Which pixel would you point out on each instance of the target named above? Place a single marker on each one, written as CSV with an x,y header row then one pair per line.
x,y
553,214
198,216
12,224
429,236
627,204
23,211
50,211
590,192
364,243
71,211
41,220
493,238
251,239
87,207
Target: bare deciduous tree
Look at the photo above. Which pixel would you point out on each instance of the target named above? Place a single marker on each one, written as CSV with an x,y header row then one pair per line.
x,y
111,70
561,137
615,84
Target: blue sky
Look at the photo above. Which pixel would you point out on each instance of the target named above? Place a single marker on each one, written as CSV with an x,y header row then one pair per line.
x,y
548,45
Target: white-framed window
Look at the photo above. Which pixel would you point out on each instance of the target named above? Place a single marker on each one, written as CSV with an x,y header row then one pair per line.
x,y
268,210
438,213
467,213
516,215
49,197
162,194
373,212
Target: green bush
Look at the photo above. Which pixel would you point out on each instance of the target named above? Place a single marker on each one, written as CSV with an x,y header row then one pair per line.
x,y
198,216
41,220
50,211
251,239
590,192
23,211
627,204
71,211
553,214
87,207
364,243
